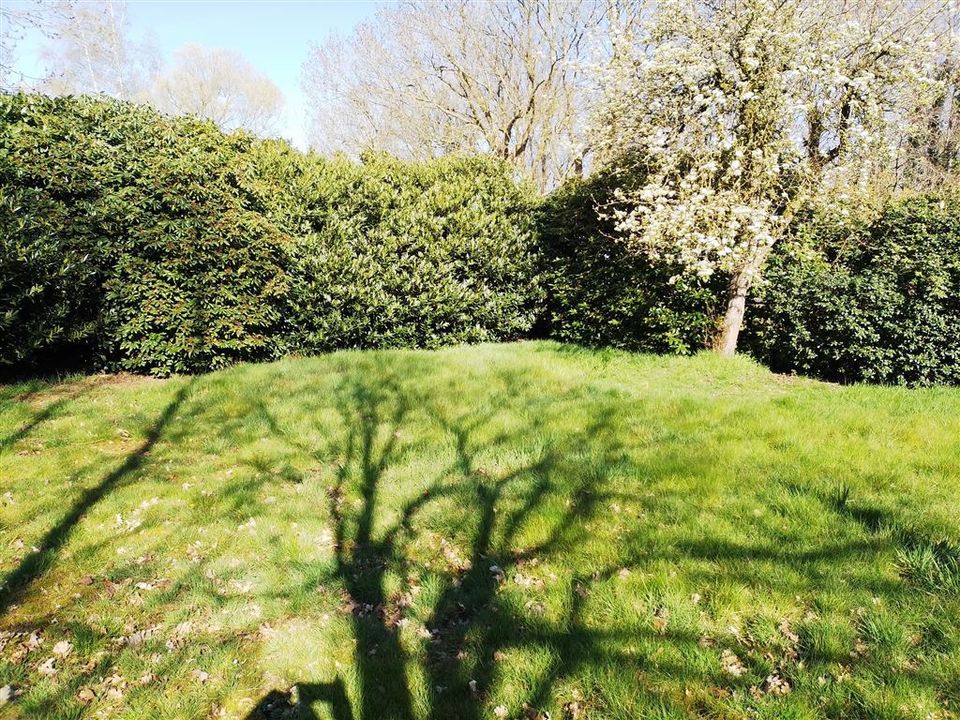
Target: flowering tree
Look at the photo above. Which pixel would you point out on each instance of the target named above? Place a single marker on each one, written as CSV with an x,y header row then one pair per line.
x,y
733,113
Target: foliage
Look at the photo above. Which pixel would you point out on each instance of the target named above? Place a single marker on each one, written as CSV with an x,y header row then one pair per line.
x,y
599,293
53,248
199,279
489,531
413,255
163,245
135,238
873,301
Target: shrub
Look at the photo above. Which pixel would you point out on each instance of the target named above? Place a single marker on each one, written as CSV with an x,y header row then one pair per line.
x,y
52,247
874,301
395,254
134,239
600,293
161,245
200,275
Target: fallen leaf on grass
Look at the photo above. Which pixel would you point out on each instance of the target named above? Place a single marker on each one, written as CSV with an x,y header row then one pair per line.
x,y
731,663
788,631
62,648
528,581
776,685
243,587
660,620
533,714
92,663
137,638
537,608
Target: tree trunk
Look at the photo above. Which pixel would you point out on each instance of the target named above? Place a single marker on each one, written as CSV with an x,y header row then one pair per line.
x,y
726,342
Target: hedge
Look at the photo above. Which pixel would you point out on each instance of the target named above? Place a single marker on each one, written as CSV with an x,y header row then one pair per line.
x,y
599,293
397,254
161,261
875,301
131,240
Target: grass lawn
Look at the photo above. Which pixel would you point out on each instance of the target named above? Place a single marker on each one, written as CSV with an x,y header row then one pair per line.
x,y
502,531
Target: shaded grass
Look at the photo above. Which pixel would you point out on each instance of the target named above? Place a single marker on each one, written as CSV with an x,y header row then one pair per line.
x,y
523,529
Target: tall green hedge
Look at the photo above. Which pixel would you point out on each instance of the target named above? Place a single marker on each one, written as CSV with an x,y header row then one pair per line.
x,y
132,240
395,254
599,293
53,248
875,301
137,241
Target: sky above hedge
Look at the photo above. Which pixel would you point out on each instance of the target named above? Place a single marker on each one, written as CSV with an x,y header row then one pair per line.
x,y
274,35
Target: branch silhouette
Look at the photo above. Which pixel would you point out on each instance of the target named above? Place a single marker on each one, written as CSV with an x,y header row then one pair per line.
x,y
16,583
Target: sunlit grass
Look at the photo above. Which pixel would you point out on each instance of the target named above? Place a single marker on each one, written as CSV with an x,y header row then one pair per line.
x,y
493,531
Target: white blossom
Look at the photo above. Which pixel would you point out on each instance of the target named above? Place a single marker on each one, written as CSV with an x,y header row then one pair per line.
x,y
742,109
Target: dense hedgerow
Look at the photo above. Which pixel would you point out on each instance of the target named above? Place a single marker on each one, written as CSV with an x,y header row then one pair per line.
x,y
133,240
846,301
53,247
874,301
397,254
600,293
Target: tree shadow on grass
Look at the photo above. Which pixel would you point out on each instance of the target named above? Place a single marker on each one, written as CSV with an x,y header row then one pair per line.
x,y
299,701
441,507
47,412
17,582
467,624
471,620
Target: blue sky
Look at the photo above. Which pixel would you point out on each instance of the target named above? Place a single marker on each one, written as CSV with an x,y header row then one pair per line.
x,y
273,35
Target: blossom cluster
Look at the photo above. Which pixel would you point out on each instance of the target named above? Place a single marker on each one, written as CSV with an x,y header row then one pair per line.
x,y
731,114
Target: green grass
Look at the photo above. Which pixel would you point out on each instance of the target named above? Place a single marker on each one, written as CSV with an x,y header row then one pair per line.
x,y
503,530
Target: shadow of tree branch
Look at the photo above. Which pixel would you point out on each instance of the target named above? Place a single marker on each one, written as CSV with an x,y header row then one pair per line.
x,y
16,583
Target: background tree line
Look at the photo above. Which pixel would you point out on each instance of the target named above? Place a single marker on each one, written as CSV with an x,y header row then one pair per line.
x,y
90,49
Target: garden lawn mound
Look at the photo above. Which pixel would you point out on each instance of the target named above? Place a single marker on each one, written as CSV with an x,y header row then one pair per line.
x,y
491,531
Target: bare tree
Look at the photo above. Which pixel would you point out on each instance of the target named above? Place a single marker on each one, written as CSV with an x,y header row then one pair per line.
x,y
510,77
93,53
220,85
16,21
